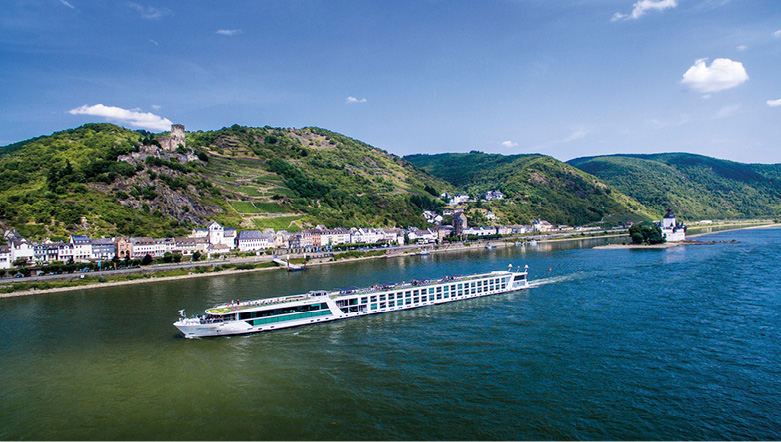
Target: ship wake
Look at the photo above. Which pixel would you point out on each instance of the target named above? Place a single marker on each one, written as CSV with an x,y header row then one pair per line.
x,y
557,279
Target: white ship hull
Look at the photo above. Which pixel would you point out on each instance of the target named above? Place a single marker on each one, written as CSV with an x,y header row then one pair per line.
x,y
314,307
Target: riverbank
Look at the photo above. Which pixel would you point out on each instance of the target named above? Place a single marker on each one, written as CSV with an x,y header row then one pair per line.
x,y
218,268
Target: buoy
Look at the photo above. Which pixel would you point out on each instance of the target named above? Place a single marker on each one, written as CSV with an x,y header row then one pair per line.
x,y
550,269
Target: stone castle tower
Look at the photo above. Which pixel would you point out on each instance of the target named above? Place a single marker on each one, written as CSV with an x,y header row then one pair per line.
x,y
176,138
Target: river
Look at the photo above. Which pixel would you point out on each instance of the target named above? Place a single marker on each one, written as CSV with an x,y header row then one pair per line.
x,y
679,343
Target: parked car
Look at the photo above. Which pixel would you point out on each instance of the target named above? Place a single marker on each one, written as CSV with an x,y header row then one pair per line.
x,y
18,275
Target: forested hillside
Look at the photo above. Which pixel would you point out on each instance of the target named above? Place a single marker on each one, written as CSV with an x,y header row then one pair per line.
x,y
536,186
694,186
72,182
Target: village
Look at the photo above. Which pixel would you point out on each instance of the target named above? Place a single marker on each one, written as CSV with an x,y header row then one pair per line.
x,y
216,240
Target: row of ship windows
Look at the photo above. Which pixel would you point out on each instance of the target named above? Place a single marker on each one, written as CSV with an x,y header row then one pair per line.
x,y
397,299
290,317
473,287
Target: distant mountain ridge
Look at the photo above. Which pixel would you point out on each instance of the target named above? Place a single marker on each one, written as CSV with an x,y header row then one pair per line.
x,y
537,186
101,179
694,186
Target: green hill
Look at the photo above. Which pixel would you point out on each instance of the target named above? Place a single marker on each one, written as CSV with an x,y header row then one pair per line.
x,y
694,186
72,182
536,186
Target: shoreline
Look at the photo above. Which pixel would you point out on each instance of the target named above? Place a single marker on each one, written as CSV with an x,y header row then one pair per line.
x,y
442,249
686,242
152,278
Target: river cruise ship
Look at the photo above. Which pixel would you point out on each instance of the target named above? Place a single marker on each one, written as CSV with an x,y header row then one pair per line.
x,y
319,306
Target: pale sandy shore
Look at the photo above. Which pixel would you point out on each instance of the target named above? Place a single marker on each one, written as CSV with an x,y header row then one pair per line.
x,y
441,249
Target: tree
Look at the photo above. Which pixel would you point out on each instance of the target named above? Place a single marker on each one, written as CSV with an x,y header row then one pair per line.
x,y
147,260
646,233
196,255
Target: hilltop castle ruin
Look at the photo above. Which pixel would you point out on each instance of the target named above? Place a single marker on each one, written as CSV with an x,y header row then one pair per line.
x,y
175,140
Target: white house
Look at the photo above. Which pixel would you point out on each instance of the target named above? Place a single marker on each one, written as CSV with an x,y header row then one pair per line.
x,y
459,198
334,236
422,236
542,226
154,247
102,249
393,236
365,236
188,246
253,240
494,195
5,257
82,247
480,231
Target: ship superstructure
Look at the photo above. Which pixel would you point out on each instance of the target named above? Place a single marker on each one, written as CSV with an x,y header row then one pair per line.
x,y
320,306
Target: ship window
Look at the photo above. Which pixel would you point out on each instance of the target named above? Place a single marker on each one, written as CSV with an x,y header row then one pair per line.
x,y
439,289
392,296
416,292
374,307
407,294
364,300
382,305
439,295
416,300
374,299
382,297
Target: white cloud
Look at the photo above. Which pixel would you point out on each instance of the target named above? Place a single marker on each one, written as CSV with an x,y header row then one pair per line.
x,y
742,48
229,31
680,121
777,34
156,107
142,120
728,111
154,42
722,74
67,4
642,6
509,144
149,12
352,99
774,103
577,134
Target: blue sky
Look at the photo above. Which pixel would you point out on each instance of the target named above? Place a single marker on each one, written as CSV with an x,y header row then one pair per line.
x,y
563,78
